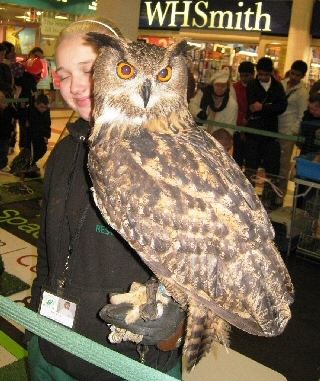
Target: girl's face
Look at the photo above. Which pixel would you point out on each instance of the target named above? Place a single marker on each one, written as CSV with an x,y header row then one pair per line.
x,y
75,59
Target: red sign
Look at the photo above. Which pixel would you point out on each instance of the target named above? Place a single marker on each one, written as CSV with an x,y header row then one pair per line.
x,y
160,41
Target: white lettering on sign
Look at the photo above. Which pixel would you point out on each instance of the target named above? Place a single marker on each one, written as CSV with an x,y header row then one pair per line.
x,y
209,18
52,27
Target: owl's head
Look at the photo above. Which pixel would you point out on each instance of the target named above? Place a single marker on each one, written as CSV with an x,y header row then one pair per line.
x,y
138,83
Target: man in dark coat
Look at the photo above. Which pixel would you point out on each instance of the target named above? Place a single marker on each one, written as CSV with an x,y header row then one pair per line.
x,y
266,100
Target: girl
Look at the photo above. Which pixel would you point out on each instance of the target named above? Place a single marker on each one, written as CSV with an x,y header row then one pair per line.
x,y
80,258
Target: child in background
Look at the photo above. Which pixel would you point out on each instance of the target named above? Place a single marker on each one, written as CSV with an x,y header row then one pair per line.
x,y
38,126
8,116
224,138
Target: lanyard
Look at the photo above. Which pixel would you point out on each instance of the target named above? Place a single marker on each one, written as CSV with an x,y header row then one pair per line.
x,y
74,237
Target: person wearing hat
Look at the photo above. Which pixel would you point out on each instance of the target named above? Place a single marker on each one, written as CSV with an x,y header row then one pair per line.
x,y
239,92
214,103
266,100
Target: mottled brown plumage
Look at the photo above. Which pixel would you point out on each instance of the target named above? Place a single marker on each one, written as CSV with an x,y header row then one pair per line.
x,y
180,200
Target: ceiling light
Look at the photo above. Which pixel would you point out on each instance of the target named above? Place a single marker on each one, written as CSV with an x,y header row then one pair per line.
x,y
61,17
196,44
248,53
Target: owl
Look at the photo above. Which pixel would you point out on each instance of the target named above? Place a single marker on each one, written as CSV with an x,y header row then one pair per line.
x,y
179,199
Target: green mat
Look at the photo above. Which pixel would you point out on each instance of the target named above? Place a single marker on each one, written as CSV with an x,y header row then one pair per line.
x,y
17,371
10,284
11,192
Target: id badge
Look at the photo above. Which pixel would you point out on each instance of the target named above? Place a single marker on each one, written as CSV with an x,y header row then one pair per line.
x,y
59,307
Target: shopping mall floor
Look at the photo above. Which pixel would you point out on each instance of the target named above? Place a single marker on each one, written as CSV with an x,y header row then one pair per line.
x,y
293,356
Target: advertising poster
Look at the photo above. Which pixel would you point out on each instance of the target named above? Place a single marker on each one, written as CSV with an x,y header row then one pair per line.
x,y
23,38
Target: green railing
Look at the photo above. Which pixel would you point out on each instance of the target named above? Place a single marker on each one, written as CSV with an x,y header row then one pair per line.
x,y
255,131
80,346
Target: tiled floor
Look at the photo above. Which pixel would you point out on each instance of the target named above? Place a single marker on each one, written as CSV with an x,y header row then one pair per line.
x,y
216,366
13,248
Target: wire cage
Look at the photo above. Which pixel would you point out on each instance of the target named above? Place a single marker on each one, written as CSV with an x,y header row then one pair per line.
x,y
266,187
309,241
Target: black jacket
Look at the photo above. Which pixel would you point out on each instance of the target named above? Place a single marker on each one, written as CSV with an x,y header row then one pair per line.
x,y
274,103
101,262
309,128
8,116
39,123
28,84
6,79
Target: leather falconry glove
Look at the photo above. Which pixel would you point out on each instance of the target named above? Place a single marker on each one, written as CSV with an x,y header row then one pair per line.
x,y
145,315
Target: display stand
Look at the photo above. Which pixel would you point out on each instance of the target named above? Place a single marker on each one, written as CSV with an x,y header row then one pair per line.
x,y
312,218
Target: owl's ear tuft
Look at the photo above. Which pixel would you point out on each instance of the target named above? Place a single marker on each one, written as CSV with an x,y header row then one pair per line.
x,y
102,40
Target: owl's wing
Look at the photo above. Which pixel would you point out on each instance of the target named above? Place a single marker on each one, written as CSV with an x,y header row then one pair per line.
x,y
185,206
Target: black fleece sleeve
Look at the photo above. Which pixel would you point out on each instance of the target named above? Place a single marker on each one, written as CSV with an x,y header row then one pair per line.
x,y
42,269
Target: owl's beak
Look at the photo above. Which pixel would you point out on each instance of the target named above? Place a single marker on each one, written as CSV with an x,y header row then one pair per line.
x,y
145,92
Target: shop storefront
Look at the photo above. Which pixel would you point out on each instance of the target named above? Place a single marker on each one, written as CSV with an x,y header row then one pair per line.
x,y
314,70
26,25
224,32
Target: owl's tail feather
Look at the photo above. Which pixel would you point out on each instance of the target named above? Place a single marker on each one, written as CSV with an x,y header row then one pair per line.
x,y
203,328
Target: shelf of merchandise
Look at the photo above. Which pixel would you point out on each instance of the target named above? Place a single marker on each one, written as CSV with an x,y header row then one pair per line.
x,y
205,61
207,58
314,68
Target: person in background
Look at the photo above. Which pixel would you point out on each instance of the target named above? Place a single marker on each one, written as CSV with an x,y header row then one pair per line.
x,y
224,138
239,92
11,55
38,129
36,52
6,79
214,103
10,59
310,131
8,116
277,75
80,257
28,85
289,121
315,87
310,126
266,100
191,89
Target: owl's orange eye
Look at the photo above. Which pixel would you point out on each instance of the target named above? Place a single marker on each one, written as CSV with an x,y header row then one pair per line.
x,y
125,70
165,74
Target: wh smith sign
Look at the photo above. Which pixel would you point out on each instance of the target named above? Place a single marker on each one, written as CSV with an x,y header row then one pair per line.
x,y
271,16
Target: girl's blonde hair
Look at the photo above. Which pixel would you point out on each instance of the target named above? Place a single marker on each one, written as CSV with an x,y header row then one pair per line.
x,y
82,27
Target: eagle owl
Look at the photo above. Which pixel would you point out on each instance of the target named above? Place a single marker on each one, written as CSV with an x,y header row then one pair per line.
x,y
179,199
